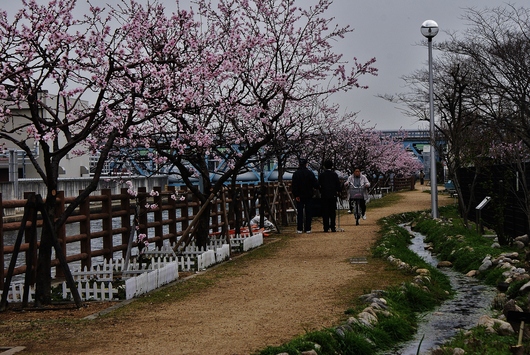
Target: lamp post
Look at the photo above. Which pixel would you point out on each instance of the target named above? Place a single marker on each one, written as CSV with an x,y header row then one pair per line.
x,y
429,29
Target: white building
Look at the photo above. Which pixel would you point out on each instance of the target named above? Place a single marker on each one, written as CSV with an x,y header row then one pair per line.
x,y
12,157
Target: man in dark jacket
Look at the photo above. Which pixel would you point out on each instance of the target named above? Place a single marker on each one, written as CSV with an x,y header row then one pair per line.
x,y
330,188
303,183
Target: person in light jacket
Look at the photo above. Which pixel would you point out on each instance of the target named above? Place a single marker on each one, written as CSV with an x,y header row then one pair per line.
x,y
357,180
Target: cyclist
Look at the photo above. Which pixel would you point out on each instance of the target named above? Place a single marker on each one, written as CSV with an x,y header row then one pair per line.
x,y
358,180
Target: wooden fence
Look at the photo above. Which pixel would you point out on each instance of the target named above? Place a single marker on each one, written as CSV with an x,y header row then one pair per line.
x,y
404,183
100,228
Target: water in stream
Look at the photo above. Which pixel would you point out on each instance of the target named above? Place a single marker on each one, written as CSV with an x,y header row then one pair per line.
x,y
472,300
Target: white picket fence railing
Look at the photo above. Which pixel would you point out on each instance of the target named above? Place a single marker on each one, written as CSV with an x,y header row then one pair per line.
x,y
222,253
96,283
91,290
101,272
247,242
205,260
134,266
16,292
148,281
165,250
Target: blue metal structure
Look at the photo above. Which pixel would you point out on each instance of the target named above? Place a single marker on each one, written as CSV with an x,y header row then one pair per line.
x,y
414,141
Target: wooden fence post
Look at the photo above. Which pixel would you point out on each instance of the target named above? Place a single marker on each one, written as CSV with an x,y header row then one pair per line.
x,y
31,240
224,214
61,232
125,205
214,215
172,215
84,228
159,232
141,201
185,211
106,205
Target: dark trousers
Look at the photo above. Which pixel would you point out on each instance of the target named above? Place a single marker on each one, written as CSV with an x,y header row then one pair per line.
x,y
329,206
303,215
362,204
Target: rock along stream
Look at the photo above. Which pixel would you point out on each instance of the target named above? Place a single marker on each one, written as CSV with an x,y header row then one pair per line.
x,y
472,300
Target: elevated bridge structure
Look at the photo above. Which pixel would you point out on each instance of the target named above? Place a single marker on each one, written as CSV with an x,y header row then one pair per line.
x,y
415,142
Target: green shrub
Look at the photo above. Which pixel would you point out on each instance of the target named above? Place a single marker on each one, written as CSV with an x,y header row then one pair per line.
x,y
326,340
292,348
382,337
492,277
479,341
357,344
396,329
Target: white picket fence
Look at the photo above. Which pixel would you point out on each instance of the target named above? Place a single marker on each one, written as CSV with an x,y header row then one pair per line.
x,y
102,272
222,253
16,292
96,283
91,290
148,281
246,242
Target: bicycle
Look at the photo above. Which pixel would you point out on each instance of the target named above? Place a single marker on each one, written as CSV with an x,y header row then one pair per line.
x,y
356,194
356,209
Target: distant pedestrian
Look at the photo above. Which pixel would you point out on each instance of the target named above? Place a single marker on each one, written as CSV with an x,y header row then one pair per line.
x,y
303,184
330,188
422,177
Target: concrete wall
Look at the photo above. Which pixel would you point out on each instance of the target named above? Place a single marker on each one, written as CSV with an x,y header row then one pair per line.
x,y
71,186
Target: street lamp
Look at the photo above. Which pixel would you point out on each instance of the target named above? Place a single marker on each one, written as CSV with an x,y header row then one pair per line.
x,y
429,29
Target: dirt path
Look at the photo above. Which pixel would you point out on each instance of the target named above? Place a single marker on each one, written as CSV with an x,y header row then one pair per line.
x,y
267,301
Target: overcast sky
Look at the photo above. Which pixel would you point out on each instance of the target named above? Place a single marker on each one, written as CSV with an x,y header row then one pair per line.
x,y
388,30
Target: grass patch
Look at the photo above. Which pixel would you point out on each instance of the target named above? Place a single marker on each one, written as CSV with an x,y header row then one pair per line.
x,y
387,200
479,341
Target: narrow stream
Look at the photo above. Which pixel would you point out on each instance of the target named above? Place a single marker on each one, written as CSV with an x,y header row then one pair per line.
x,y
471,301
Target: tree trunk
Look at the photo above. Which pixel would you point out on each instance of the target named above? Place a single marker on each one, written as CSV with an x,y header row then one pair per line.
x,y
44,278
202,230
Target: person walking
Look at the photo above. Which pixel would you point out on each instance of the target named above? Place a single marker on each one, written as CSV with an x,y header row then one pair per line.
x,y
303,184
357,180
330,188
422,177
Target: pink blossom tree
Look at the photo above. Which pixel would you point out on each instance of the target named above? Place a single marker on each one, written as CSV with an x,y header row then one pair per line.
x,y
351,144
188,86
75,86
258,62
